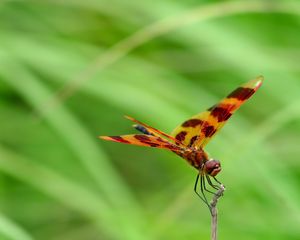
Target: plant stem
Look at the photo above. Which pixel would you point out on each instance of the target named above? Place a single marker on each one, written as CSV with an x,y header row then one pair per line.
x,y
214,212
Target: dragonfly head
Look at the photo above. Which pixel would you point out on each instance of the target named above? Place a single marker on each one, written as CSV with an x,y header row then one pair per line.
x,y
212,167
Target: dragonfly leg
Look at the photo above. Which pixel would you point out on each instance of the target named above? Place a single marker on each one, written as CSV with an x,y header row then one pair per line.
x,y
204,186
201,196
217,181
195,188
211,184
202,182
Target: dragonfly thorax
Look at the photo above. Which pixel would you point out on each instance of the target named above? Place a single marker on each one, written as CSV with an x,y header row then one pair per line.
x,y
200,160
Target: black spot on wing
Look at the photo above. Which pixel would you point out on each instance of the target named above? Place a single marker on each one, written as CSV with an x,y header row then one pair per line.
x,y
221,113
146,140
241,93
192,123
119,139
153,144
208,130
193,139
142,129
181,136
142,138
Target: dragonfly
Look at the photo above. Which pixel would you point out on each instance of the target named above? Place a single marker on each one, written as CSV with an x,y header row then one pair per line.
x,y
189,138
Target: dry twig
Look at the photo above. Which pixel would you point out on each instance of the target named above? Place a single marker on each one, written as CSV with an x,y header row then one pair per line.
x,y
214,212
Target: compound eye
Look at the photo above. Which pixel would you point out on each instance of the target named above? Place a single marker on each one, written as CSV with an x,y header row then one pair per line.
x,y
212,167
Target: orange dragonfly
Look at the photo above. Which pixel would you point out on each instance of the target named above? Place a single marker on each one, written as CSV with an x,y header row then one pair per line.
x,y
189,138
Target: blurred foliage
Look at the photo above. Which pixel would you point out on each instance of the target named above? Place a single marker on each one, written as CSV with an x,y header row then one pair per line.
x,y
69,71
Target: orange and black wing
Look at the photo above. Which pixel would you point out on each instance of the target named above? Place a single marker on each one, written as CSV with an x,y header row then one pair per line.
x,y
144,140
151,130
197,131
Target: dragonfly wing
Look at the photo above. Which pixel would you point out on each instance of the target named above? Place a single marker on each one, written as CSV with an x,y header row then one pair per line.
x,y
144,140
197,131
142,129
188,131
151,130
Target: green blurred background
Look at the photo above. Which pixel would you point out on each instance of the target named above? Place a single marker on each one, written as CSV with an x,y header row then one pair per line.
x,y
70,70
